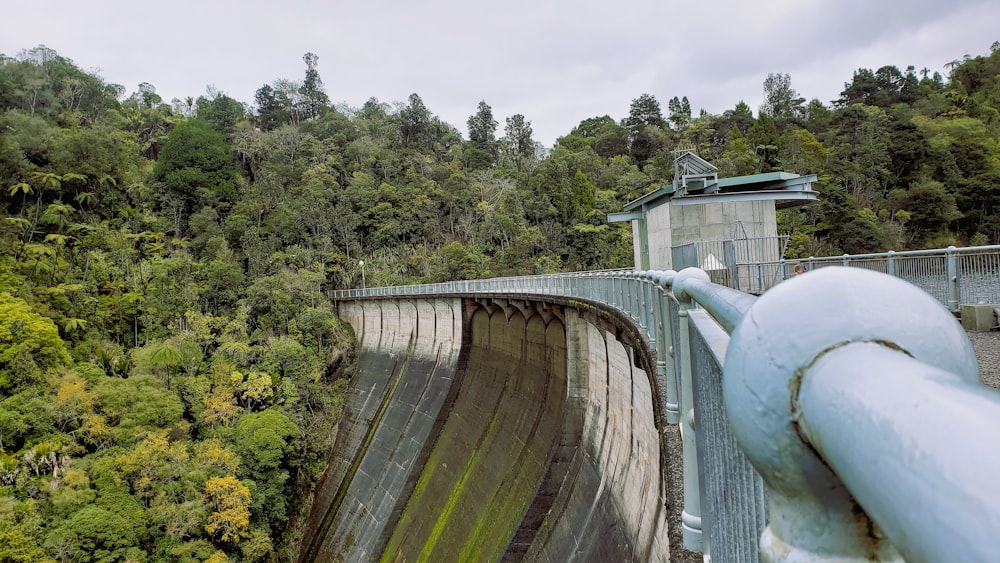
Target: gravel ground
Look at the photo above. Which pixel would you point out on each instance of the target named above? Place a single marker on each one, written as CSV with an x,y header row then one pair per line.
x,y
987,347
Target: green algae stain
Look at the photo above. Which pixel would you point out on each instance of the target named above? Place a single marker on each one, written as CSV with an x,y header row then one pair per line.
x,y
497,523
449,507
445,518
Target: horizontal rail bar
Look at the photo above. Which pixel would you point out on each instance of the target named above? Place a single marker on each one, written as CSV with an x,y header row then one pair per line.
x,y
904,253
726,305
910,441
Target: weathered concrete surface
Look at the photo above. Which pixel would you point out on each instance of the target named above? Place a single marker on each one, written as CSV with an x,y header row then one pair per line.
x,y
610,507
979,318
408,356
492,430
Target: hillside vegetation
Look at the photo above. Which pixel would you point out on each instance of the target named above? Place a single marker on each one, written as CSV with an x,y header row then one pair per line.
x,y
171,373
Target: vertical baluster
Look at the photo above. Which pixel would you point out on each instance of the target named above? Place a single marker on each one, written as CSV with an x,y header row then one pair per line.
x,y
954,275
664,354
691,515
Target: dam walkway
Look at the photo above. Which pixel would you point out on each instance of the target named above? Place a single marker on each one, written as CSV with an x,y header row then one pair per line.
x,y
650,416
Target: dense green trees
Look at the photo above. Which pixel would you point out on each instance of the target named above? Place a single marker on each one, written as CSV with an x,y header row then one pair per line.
x,y
134,376
781,101
314,98
196,166
170,370
646,127
482,151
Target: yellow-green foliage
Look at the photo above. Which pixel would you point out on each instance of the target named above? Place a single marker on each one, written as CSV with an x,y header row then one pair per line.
x,y
230,502
22,330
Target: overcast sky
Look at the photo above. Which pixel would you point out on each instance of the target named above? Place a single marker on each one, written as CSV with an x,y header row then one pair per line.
x,y
556,62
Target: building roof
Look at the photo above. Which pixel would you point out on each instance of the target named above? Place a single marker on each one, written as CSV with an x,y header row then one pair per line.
x,y
786,188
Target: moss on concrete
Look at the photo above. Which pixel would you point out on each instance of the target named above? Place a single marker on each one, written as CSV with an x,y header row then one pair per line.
x,y
491,454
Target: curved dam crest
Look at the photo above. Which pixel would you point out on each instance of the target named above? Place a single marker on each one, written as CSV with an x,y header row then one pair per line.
x,y
492,429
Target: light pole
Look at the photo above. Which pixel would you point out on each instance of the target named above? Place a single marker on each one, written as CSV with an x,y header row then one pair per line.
x,y
361,263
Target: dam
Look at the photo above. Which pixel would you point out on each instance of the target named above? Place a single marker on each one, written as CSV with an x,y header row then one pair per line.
x,y
494,429
552,418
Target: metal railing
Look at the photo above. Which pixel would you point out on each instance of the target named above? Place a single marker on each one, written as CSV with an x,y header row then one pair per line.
x,y
729,262
852,394
954,276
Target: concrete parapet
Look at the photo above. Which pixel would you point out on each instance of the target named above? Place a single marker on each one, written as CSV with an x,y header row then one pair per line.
x,y
979,318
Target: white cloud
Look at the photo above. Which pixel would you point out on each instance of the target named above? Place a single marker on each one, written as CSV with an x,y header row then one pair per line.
x,y
556,62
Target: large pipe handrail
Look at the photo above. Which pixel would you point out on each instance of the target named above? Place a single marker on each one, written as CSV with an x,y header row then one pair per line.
x,y
881,430
726,305
842,387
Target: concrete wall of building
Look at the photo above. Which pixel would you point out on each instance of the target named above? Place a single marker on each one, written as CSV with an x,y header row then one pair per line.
x,y
636,245
715,221
492,429
670,225
660,238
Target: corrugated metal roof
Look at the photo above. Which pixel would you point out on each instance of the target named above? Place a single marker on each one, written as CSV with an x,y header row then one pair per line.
x,y
771,185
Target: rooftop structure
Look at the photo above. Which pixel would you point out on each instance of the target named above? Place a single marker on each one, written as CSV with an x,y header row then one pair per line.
x,y
700,207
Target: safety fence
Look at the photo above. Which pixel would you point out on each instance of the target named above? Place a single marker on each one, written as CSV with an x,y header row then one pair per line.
x,y
839,416
728,262
954,276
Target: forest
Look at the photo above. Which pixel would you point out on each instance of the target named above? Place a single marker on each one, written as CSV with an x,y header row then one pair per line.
x,y
171,373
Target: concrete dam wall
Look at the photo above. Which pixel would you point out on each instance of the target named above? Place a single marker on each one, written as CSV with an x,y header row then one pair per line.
x,y
493,429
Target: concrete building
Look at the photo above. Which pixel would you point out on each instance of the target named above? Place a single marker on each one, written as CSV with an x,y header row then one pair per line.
x,y
712,223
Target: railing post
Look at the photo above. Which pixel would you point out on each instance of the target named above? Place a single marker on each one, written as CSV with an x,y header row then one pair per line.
x,y
620,291
633,297
890,263
641,302
951,270
664,355
647,306
691,515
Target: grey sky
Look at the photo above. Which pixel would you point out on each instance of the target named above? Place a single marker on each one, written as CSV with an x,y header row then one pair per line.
x,y
556,62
